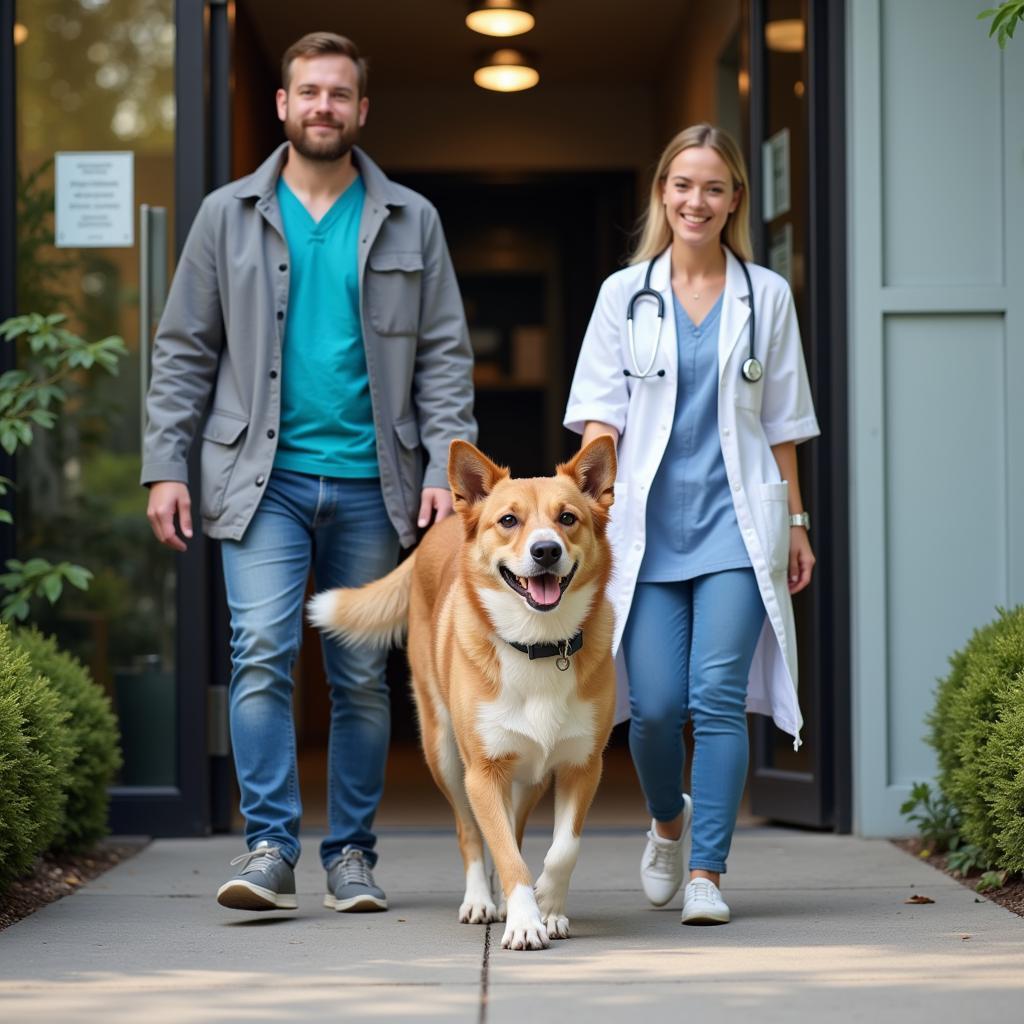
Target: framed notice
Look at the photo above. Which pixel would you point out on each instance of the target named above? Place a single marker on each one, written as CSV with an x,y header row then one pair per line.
x,y
94,199
775,165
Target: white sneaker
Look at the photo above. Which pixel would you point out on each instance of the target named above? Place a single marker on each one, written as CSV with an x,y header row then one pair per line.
x,y
703,903
662,868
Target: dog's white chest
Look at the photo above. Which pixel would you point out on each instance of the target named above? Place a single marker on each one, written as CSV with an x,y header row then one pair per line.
x,y
537,716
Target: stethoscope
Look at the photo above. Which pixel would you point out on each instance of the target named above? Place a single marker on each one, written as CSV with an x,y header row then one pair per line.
x,y
752,369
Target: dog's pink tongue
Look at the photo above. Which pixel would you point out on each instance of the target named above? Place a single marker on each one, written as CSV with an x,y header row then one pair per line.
x,y
543,589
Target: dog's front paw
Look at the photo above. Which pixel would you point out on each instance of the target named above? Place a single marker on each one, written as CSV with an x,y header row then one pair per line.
x,y
557,926
478,912
524,929
551,896
525,935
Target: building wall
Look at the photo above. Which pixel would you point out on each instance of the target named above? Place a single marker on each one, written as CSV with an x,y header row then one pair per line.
x,y
936,237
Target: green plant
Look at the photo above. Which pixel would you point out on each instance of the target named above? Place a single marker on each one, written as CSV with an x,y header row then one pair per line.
x,y
935,818
992,880
30,397
967,859
977,729
35,751
94,735
1005,19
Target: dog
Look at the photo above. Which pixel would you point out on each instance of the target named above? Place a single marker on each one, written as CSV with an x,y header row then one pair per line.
x,y
509,644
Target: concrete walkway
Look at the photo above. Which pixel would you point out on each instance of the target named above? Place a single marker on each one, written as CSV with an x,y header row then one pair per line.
x,y
820,930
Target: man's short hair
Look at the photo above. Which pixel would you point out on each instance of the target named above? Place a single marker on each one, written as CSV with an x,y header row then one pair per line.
x,y
319,44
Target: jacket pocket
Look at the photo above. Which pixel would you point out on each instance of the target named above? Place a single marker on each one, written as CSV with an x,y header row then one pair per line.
x,y
393,284
222,444
775,516
409,462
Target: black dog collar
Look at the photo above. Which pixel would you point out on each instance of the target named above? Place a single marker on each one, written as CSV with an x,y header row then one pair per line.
x,y
562,650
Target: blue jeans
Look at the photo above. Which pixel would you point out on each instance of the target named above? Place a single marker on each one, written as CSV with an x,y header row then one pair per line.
x,y
341,529
688,649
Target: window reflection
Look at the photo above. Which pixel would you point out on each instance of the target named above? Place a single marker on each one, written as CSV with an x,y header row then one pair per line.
x,y
96,75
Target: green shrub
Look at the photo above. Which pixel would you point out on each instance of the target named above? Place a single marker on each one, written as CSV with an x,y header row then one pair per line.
x,y
977,729
94,735
34,755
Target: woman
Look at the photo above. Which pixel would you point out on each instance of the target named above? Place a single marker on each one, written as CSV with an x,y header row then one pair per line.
x,y
707,405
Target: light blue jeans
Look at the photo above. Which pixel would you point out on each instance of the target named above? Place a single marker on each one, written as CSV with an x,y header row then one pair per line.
x,y
341,529
688,649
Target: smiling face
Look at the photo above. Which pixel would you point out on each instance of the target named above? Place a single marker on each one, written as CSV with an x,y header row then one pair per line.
x,y
538,552
321,109
698,196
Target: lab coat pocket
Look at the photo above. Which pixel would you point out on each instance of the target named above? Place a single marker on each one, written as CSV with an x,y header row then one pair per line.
x,y
775,517
619,512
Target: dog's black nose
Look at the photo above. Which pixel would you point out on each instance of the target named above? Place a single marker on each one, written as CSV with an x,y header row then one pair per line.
x,y
546,552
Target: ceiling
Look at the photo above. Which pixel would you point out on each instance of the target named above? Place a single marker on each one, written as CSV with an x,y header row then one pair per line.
x,y
577,42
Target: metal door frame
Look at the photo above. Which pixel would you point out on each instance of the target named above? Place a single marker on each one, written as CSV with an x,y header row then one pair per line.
x,y
821,798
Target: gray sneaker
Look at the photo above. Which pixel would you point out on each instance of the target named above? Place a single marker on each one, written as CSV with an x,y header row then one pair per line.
x,y
350,885
265,881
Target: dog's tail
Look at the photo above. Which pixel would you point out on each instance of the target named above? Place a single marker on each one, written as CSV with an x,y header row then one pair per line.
x,y
376,614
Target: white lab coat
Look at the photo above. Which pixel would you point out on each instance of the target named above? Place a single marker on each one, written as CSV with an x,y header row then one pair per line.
x,y
751,418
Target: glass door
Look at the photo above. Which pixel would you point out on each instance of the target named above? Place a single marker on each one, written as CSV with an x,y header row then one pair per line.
x,y
96,121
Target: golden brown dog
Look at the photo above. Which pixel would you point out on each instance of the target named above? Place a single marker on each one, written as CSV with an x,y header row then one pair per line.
x,y
510,648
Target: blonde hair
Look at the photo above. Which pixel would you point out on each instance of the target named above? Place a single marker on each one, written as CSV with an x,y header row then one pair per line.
x,y
654,231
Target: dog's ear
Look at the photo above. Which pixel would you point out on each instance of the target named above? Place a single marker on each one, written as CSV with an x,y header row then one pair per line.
x,y
593,469
471,475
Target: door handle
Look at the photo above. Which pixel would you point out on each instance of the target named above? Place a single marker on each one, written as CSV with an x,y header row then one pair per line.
x,y
152,291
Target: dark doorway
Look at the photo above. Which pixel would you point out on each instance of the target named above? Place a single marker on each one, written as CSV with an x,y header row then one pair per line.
x,y
530,252
795,124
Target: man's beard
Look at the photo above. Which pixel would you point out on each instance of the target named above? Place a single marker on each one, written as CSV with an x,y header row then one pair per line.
x,y
329,148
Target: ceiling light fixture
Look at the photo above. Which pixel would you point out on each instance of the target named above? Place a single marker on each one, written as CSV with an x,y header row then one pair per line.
x,y
500,17
20,33
785,35
506,71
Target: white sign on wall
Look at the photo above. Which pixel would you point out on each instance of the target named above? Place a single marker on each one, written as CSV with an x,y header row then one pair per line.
x,y
94,200
775,165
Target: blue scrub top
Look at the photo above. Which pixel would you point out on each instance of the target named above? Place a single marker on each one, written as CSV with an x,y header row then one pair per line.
x,y
691,522
326,412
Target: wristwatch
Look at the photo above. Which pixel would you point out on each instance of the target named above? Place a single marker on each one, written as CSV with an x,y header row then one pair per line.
x,y
800,519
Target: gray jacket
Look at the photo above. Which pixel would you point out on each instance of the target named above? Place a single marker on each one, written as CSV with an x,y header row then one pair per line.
x,y
217,353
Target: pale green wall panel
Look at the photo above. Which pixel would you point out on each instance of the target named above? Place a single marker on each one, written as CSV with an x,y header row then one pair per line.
x,y
945,489
935,142
942,174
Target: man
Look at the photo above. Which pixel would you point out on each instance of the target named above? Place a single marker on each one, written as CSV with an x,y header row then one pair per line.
x,y
315,320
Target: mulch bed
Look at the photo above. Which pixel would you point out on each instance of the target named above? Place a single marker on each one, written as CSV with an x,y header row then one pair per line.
x,y
58,875
1010,895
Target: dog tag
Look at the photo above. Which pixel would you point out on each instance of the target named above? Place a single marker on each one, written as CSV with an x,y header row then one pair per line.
x,y
562,661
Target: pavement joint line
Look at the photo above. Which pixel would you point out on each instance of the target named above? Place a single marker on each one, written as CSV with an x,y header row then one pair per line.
x,y
485,969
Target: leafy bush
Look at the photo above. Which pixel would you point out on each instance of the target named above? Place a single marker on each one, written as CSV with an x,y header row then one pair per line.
x,y
965,860
977,728
936,818
35,751
94,735
52,359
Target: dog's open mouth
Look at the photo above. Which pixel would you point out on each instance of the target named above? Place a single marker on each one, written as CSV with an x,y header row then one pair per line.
x,y
542,591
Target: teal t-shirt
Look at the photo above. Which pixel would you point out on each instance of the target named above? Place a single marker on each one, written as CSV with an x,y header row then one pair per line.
x,y
326,414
